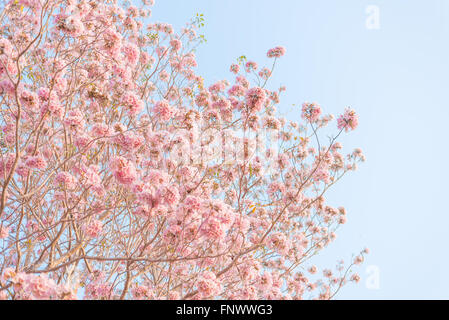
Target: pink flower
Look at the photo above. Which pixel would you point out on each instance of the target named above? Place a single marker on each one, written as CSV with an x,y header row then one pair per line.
x,y
53,105
123,170
143,211
173,295
43,93
163,110
192,203
75,120
157,177
8,274
129,141
41,287
202,99
312,269
74,26
176,44
235,68
133,103
145,58
236,90
171,196
5,47
255,98
279,243
30,100
321,174
112,42
265,73
348,121
131,52
358,260
6,85
276,52
98,290
271,123
355,278
276,187
142,293
164,76
66,179
4,232
150,197
217,87
208,285
36,162
311,111
265,281
100,130
6,163
250,66
213,229
92,176
82,140
93,229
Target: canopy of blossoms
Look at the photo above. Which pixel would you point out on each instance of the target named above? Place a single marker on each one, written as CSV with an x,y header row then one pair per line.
x,y
124,176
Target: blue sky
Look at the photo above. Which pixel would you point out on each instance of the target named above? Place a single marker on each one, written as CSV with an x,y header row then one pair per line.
x,y
396,77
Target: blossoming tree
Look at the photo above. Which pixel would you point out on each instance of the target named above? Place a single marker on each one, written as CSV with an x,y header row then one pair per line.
x,y
122,176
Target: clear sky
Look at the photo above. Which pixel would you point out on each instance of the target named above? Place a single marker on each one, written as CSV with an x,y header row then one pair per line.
x,y
396,78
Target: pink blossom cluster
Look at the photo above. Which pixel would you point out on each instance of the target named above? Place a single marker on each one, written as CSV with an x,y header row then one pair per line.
x,y
132,103
163,110
4,232
36,162
255,99
28,286
93,228
276,52
123,170
235,68
348,121
311,111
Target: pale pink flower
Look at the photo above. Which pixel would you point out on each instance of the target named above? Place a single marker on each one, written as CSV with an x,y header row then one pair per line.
x,y
4,232
255,98
276,52
348,121
176,44
235,68
36,162
93,229
208,285
66,179
6,47
251,66
3,295
358,260
311,111
312,269
123,170
100,130
73,26
132,103
163,110
131,52
355,278
30,100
